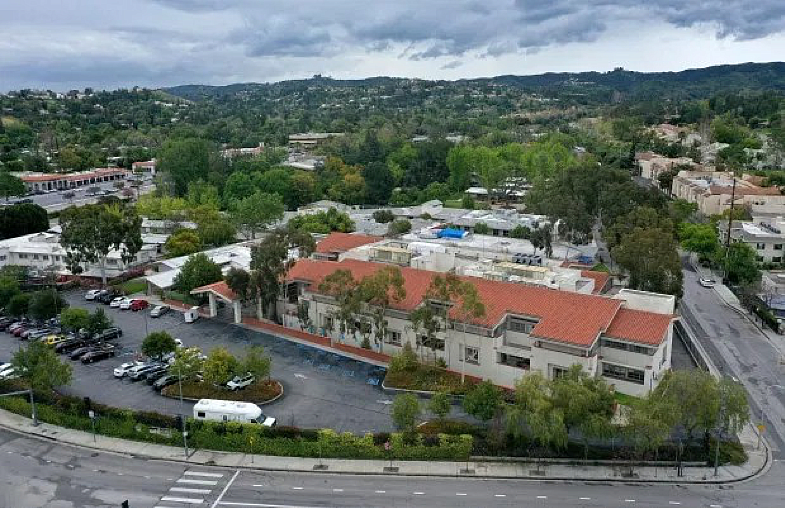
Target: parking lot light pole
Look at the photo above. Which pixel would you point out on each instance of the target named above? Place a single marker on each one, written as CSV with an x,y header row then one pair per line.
x,y
32,405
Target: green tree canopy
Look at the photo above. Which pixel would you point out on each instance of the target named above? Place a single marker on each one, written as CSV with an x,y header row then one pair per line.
x,y
187,160
483,401
405,411
183,242
9,288
256,362
740,263
40,367
199,270
99,321
157,344
22,219
187,363
90,232
220,366
651,259
440,405
46,304
10,185
75,319
255,212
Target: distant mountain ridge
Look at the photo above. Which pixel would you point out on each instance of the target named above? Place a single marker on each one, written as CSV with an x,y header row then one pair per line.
x,y
688,83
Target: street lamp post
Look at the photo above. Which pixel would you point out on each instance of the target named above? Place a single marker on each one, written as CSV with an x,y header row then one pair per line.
x,y
182,415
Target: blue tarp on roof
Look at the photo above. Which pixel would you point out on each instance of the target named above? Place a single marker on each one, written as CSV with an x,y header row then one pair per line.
x,y
451,233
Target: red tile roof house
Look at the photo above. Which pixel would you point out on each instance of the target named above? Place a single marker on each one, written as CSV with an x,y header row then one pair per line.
x,y
625,339
332,246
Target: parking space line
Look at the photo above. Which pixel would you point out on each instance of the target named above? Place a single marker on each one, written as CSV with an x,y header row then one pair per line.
x,y
198,482
190,491
199,473
191,500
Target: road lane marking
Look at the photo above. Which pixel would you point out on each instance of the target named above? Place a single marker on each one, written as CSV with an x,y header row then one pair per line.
x,y
297,488
199,473
715,506
223,492
381,491
337,490
211,483
629,500
500,495
190,491
191,500
674,502
265,505
584,498
542,497
460,494
258,485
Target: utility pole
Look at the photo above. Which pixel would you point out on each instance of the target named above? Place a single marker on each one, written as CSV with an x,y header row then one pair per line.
x,y
730,214
182,415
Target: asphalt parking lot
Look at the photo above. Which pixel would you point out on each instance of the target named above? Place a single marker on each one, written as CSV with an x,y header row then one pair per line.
x,y
320,389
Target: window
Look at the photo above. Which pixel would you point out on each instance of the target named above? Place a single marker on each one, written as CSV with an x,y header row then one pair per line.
x,y
776,259
35,256
627,347
623,373
514,361
435,343
22,256
393,338
558,372
760,246
471,355
2,258
200,414
521,325
777,246
45,257
759,259
327,322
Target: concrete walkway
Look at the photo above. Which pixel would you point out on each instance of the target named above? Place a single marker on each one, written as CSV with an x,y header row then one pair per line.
x,y
758,464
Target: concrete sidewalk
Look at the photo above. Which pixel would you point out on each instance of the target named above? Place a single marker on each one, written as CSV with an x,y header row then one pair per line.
x,y
758,464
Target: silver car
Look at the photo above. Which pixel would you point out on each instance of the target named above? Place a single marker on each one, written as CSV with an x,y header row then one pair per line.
x,y
159,310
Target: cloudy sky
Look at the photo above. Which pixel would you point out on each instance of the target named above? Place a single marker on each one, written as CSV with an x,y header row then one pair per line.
x,y
61,45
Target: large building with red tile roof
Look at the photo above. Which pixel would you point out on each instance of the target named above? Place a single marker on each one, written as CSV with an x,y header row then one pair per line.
x,y
625,339
61,181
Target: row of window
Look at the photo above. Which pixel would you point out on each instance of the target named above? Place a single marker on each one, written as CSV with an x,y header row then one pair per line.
x,y
623,373
624,346
42,257
762,246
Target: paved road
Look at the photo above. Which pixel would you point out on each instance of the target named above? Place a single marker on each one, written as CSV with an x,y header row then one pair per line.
x,y
739,349
36,473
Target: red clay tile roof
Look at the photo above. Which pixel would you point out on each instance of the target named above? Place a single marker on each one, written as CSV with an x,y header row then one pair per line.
x,y
639,326
219,287
562,316
341,242
600,279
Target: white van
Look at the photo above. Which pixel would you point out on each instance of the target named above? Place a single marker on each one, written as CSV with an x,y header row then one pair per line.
x,y
231,411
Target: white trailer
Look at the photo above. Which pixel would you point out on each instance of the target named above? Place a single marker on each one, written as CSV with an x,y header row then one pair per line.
x,y
231,411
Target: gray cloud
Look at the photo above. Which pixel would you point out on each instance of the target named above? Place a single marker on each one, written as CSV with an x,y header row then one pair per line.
x,y
174,41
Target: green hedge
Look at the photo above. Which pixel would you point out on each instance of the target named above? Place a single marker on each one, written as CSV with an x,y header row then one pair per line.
x,y
72,413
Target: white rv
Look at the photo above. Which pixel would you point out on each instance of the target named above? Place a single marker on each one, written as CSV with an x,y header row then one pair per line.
x,y
231,411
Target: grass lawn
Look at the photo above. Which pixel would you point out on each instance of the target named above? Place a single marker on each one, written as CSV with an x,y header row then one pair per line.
x,y
453,203
134,286
600,267
626,400
260,392
430,379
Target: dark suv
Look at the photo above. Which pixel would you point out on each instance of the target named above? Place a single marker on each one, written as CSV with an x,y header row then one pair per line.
x,y
109,334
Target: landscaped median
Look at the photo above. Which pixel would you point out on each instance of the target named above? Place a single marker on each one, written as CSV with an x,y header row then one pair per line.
x,y
261,392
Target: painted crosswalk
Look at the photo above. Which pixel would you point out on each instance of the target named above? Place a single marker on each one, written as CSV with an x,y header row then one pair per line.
x,y
193,488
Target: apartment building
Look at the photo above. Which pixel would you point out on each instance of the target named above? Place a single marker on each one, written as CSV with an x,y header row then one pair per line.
x,y
712,191
625,339
43,252
651,165
766,237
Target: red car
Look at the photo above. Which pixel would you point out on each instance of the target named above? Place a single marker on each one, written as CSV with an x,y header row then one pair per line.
x,y
139,304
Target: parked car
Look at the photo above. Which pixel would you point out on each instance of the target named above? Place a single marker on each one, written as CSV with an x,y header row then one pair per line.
x,y
164,381
69,345
9,373
54,340
123,369
125,304
706,282
139,304
106,298
18,331
100,354
155,376
159,310
139,373
144,375
92,294
116,301
108,334
240,382
80,352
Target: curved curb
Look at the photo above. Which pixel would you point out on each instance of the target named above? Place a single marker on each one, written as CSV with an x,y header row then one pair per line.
x,y
366,472
190,399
